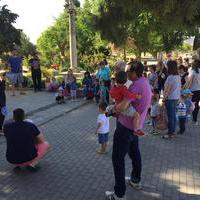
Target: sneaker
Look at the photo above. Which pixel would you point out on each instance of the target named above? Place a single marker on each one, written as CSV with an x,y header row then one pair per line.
x,y
139,133
112,196
1,133
136,186
196,123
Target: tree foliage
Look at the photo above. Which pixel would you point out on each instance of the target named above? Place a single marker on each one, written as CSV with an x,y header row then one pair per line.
x,y
54,42
154,25
9,35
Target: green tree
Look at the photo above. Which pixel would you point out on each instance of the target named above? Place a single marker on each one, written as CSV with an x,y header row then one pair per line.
x,y
9,35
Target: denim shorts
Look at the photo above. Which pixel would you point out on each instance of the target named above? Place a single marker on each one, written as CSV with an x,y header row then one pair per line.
x,y
103,138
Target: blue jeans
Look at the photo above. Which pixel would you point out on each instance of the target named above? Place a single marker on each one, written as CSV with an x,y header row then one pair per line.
x,y
171,115
125,142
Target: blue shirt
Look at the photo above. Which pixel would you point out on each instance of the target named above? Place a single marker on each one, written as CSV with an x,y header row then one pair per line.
x,y
73,86
15,64
20,139
104,74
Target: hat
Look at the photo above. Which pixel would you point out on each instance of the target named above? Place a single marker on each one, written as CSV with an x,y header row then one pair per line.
x,y
186,91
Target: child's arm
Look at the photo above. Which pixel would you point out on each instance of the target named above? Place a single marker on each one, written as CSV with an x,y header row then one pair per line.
x,y
98,127
130,95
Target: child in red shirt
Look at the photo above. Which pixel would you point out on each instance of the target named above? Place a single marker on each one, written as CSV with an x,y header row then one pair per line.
x,y
119,93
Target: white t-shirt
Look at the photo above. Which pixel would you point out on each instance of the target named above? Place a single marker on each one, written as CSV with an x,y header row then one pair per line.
x,y
105,125
195,86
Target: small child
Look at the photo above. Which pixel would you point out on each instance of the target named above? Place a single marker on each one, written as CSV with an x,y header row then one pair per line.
x,y
153,77
189,104
154,113
73,89
60,95
182,114
3,110
119,93
103,92
97,91
103,128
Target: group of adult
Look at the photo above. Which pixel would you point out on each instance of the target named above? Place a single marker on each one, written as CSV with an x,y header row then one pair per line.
x,y
15,63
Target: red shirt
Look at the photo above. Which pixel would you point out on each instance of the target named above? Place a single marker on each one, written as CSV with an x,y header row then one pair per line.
x,y
119,93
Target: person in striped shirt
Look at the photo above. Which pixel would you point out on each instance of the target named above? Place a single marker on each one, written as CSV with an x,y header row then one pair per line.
x,y
182,114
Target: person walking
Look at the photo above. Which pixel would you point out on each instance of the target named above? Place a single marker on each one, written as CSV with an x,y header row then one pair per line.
x,y
172,93
124,139
34,62
25,144
193,84
15,64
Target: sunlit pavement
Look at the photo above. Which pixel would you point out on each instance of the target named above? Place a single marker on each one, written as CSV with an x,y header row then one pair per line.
x,y
73,169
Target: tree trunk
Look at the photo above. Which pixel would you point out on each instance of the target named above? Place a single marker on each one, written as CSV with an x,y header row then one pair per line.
x,y
124,53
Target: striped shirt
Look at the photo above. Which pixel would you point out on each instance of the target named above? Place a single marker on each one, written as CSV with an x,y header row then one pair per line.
x,y
182,109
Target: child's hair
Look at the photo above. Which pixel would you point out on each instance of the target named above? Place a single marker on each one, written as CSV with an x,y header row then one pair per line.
x,y
153,67
121,77
103,106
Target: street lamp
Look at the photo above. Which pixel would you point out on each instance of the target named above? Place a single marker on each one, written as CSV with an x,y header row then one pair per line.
x,y
71,9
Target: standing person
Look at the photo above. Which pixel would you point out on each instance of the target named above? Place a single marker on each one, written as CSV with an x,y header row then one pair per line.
x,y
172,94
97,91
69,79
2,102
153,77
15,64
182,114
87,85
25,144
194,85
124,140
154,113
73,90
104,74
34,62
103,90
162,75
183,74
103,128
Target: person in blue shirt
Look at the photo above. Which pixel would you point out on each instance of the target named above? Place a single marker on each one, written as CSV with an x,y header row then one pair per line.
x,y
104,74
15,64
87,85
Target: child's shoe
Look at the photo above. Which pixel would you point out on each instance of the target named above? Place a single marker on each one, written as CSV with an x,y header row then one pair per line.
x,y
139,132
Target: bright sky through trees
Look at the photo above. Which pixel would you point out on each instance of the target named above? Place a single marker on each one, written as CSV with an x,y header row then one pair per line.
x,y
35,15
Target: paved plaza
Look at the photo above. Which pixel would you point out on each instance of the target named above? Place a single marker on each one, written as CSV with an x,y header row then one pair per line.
x,y
74,171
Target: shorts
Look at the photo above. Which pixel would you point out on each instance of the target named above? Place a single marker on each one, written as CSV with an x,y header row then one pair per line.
x,y
17,78
130,111
103,138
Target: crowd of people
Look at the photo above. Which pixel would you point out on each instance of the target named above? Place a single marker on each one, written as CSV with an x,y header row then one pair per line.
x,y
164,93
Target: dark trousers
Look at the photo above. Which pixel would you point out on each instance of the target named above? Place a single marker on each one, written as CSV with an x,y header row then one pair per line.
x,y
196,99
2,118
171,115
36,76
182,121
125,142
107,84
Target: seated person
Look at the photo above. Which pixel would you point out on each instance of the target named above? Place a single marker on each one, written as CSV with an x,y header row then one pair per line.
x,y
119,93
25,144
60,95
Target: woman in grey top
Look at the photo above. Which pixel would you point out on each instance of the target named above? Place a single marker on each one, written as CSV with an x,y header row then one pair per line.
x,y
194,85
172,92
